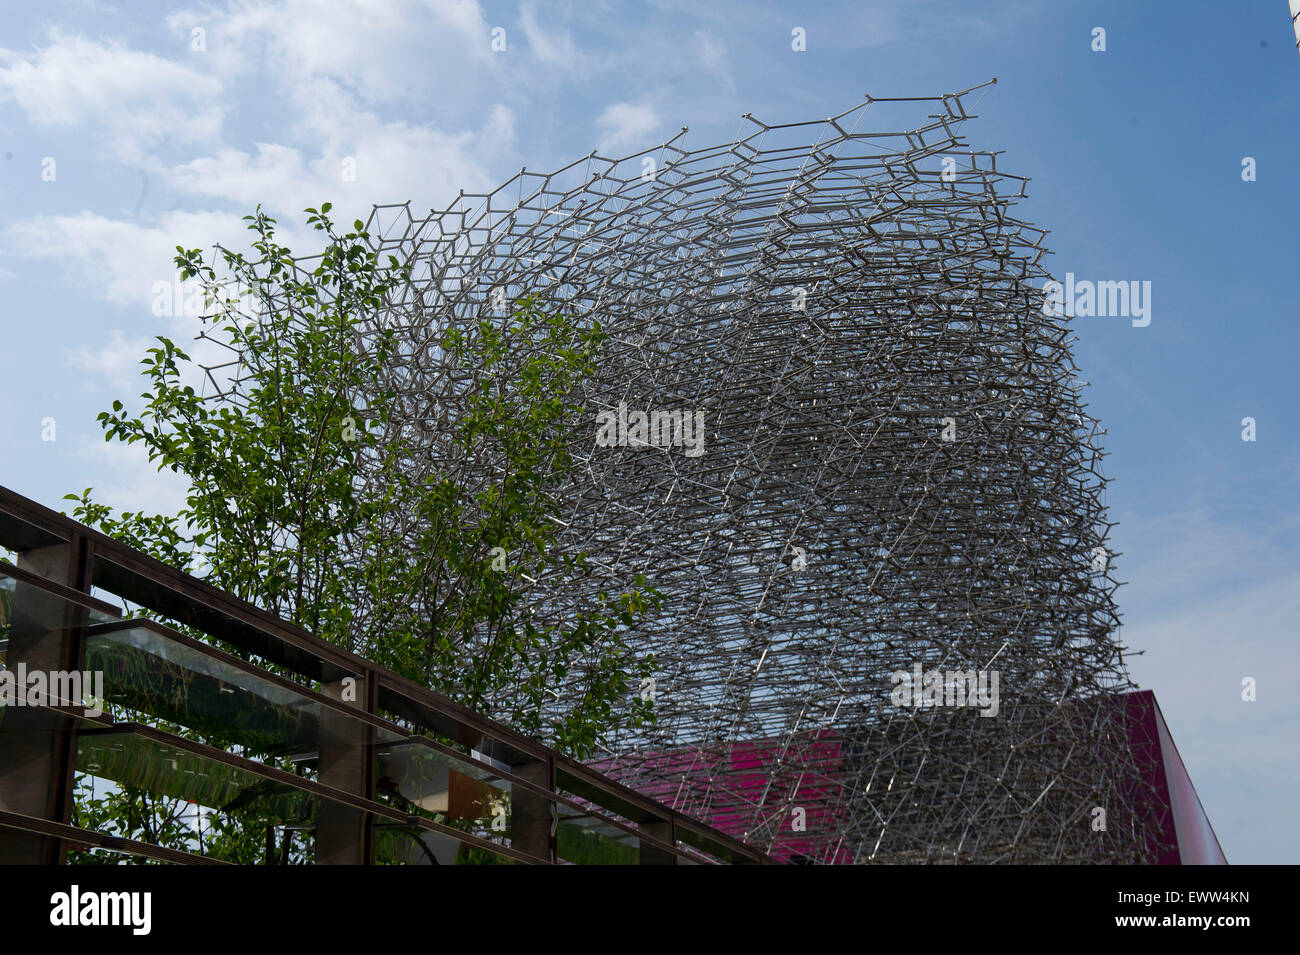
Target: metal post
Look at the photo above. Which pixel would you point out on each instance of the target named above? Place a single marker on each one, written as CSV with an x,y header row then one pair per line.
x,y
37,748
663,830
533,821
345,836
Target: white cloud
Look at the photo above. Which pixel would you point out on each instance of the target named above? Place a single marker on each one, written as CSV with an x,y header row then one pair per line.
x,y
123,263
329,58
554,49
624,125
122,260
124,478
140,100
117,363
378,49
713,58
328,65
384,162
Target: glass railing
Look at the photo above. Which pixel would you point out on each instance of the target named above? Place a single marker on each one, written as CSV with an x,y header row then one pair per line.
x,y
272,743
153,671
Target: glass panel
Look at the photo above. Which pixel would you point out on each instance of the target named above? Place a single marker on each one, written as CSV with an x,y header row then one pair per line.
x,y
585,838
8,587
35,629
408,845
155,791
417,778
706,850
39,552
692,856
91,855
577,844
147,671
165,770
418,775
127,759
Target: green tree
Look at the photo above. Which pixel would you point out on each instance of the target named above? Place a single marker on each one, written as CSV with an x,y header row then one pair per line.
x,y
310,496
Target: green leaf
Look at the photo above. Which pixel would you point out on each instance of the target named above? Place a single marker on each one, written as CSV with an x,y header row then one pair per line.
x,y
335,536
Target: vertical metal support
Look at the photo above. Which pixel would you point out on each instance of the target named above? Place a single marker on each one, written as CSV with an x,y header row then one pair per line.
x,y
665,831
38,749
533,819
345,836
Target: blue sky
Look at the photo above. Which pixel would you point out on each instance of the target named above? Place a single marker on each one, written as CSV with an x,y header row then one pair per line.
x,y
1135,156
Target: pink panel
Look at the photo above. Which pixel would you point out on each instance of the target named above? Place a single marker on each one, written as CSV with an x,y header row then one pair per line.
x,y
1197,843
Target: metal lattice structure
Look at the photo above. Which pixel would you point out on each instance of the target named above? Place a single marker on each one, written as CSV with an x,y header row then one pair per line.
x,y
896,469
